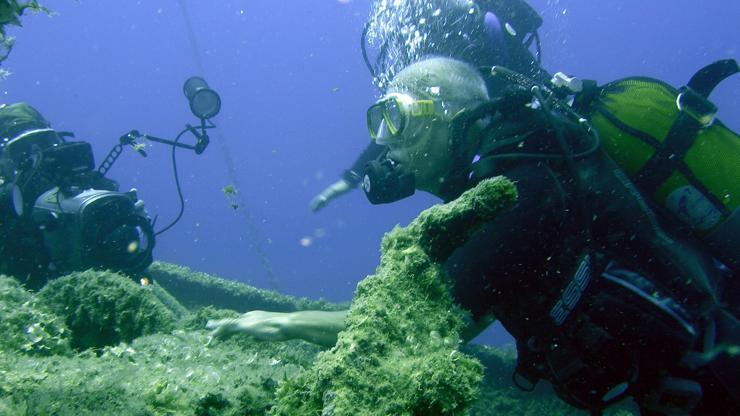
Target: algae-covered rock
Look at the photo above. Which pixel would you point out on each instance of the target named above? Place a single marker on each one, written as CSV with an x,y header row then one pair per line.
x,y
160,374
399,356
166,373
196,289
198,319
104,308
10,12
26,326
399,353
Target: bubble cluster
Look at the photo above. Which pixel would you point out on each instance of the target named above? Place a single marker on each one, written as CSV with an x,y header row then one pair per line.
x,y
401,32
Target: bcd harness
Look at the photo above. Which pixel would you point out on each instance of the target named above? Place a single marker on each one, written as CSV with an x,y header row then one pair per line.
x,y
674,150
586,344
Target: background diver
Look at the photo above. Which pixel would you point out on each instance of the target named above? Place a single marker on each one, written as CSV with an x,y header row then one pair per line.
x,y
60,213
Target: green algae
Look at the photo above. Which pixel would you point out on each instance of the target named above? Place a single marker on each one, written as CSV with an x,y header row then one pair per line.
x,y
169,372
196,289
181,373
399,353
401,349
104,308
11,10
10,13
160,374
27,326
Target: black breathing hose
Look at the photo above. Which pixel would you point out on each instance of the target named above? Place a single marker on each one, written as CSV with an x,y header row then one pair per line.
x,y
177,184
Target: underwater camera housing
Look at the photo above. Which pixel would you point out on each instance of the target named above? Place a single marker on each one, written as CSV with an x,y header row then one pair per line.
x,y
58,213
95,228
75,214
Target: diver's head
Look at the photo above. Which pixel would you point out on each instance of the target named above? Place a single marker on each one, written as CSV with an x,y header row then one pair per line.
x,y
413,118
24,130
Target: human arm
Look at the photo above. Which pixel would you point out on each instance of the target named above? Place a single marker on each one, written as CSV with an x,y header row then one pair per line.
x,y
350,180
330,193
318,327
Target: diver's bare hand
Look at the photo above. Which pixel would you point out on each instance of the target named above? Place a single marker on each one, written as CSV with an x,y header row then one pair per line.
x,y
262,325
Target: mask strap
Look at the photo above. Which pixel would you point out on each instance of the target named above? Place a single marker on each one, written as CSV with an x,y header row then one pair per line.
x,y
459,131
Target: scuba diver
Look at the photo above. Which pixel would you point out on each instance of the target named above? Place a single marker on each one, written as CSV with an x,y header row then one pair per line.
x,y
481,32
604,301
59,213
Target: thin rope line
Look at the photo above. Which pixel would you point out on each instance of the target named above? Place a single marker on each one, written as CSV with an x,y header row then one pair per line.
x,y
252,231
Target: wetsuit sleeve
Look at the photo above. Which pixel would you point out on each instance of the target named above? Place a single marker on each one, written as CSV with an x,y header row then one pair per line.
x,y
353,175
515,245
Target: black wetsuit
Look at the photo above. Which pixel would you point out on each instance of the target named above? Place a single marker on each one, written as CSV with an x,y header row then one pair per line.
x,y
520,265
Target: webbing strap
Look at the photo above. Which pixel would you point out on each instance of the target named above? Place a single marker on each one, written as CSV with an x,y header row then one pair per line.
x,y
669,154
681,166
682,134
707,78
645,137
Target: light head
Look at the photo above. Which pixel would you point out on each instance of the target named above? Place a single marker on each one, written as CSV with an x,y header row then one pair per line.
x,y
204,102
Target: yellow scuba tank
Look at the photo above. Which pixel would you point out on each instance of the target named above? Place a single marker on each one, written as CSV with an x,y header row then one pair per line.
x,y
676,152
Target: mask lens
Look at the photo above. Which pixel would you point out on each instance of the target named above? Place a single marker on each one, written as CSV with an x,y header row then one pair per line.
x,y
374,120
394,117
385,137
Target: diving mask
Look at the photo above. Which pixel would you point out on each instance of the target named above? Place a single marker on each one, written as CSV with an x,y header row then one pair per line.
x,y
398,116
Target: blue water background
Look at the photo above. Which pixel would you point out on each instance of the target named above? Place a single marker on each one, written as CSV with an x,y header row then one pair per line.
x,y
294,91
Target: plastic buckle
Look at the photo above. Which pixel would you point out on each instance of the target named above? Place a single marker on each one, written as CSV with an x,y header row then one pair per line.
x,y
572,84
696,106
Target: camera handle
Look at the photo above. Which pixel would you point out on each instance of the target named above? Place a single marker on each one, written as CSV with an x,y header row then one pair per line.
x,y
130,139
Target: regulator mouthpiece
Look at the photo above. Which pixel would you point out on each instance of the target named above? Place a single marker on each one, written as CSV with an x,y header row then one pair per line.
x,y
385,182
